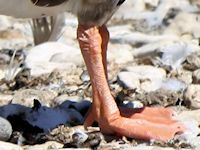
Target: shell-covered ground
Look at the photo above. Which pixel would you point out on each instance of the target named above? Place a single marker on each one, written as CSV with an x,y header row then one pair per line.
x,y
153,60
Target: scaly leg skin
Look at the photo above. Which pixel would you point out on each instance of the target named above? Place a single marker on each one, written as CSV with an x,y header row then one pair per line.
x,y
146,123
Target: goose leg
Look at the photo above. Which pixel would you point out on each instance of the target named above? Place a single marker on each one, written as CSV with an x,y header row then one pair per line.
x,y
146,123
89,120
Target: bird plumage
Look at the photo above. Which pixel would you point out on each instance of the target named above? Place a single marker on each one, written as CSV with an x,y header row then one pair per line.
x,y
88,11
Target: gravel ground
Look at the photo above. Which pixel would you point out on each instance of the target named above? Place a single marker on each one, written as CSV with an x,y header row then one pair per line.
x,y
153,60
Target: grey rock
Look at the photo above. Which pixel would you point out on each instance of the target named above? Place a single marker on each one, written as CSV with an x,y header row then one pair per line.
x,y
5,129
173,85
79,137
144,77
175,54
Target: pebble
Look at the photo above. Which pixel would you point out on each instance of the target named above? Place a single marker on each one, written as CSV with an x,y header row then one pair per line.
x,y
9,146
134,38
173,85
12,39
143,77
131,104
194,61
5,99
192,96
190,114
196,76
85,76
65,97
191,120
79,137
5,22
120,53
5,129
128,80
175,54
27,96
185,76
54,58
184,23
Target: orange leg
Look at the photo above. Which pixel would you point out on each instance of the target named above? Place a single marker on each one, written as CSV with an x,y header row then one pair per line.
x,y
105,34
146,123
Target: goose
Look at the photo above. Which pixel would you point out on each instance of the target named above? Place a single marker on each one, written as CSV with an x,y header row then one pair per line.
x,y
93,36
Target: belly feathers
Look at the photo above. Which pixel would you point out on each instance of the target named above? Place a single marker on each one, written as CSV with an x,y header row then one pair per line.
x,y
27,9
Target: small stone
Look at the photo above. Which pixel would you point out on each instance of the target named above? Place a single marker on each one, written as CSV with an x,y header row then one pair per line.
x,y
120,53
147,78
5,22
65,97
191,120
5,99
9,146
27,96
79,137
85,76
54,58
128,80
12,39
190,115
173,85
193,61
184,23
10,34
175,54
5,129
192,96
196,76
132,104
185,76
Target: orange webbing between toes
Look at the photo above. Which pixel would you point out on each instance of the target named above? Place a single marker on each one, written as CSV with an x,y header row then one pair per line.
x,y
147,123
